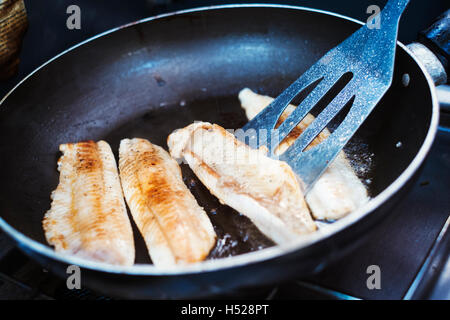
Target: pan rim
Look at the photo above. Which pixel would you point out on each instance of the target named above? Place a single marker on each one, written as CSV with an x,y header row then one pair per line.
x,y
26,243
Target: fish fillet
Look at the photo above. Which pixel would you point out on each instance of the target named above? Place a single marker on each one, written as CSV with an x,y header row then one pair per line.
x,y
263,189
338,191
175,228
88,217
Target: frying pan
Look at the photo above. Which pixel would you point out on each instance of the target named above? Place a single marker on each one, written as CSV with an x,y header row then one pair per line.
x,y
148,78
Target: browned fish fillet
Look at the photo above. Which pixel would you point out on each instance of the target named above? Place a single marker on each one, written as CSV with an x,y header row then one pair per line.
x,y
263,189
175,228
338,191
88,217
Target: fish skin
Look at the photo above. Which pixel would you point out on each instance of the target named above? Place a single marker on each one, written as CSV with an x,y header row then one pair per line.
x,y
88,216
263,189
338,191
175,228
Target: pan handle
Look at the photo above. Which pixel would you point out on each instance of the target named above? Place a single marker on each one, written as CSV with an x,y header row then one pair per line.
x,y
433,48
437,38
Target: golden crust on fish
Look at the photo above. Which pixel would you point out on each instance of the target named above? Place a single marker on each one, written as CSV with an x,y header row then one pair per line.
x,y
338,191
175,228
88,216
263,189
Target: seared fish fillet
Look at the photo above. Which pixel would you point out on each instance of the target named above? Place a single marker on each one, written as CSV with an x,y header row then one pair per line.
x,y
338,191
175,228
263,189
88,217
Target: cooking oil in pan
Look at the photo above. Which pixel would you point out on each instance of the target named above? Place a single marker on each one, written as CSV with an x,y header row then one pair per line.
x,y
236,234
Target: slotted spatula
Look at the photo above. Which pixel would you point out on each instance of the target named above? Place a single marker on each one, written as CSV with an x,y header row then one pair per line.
x,y
368,55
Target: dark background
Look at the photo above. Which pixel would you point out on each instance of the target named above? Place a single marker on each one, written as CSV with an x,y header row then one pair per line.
x,y
48,35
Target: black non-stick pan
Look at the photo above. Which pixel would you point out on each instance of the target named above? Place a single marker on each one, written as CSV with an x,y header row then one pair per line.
x,y
151,77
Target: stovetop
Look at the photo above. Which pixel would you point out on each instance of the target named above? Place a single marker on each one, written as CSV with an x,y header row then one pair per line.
x,y
411,248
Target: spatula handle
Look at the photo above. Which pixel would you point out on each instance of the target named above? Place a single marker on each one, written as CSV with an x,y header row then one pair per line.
x,y
389,17
394,8
398,4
